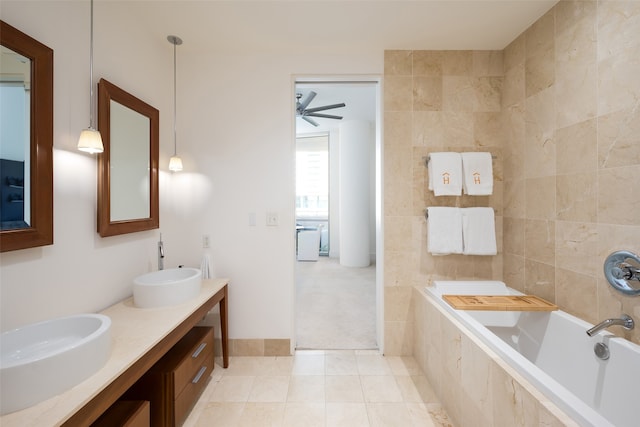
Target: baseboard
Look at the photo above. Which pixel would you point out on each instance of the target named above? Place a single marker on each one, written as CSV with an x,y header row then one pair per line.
x,y
256,347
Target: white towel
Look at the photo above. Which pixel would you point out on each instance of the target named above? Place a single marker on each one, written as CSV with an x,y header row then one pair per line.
x,y
205,266
444,230
477,174
445,174
479,231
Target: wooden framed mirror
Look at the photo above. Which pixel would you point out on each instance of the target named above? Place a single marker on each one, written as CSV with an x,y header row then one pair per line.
x,y
128,167
26,141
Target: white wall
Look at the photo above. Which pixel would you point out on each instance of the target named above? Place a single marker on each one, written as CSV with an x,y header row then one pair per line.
x,y
241,141
334,193
235,135
356,143
81,271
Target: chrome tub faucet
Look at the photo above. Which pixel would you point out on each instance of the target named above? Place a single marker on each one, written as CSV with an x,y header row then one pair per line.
x,y
625,321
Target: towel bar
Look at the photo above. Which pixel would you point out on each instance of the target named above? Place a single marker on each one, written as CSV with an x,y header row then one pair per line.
x,y
426,213
427,159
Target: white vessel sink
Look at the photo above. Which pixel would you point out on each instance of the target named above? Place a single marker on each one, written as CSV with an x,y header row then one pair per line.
x,y
44,359
166,287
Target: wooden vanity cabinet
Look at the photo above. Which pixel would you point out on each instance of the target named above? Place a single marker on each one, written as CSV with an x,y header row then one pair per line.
x,y
175,382
125,413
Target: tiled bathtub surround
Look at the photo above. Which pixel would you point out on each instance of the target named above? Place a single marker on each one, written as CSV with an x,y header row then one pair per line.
x,y
476,387
560,108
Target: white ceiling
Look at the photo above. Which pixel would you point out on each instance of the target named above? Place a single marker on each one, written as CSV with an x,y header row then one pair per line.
x,y
360,100
336,26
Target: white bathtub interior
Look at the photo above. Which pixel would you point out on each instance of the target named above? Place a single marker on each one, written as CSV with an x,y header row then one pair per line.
x,y
553,351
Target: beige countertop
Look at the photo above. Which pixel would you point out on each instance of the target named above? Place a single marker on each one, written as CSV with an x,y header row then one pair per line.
x,y
134,331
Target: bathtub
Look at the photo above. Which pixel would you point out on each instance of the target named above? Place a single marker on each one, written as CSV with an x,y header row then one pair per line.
x,y
552,351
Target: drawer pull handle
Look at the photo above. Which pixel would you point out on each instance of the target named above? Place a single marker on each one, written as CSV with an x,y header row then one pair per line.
x,y
199,350
199,375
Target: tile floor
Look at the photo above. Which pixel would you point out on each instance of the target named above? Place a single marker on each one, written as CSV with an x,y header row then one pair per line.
x,y
319,388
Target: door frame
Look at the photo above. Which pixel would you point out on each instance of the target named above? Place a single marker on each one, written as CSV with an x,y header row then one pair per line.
x,y
379,191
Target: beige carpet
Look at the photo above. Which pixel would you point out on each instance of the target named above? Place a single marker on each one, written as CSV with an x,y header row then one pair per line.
x,y
335,306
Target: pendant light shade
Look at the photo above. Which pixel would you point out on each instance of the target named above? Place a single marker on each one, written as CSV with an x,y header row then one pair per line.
x,y
175,162
90,140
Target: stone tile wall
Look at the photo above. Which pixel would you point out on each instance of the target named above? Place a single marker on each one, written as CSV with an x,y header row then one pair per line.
x,y
571,107
433,101
560,108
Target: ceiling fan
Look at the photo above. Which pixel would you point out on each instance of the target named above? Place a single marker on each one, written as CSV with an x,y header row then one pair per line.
x,y
306,113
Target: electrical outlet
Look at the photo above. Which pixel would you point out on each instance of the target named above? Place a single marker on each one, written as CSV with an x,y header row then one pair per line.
x,y
272,219
205,241
252,219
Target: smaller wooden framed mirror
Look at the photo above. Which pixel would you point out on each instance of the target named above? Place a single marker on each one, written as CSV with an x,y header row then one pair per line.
x,y
128,167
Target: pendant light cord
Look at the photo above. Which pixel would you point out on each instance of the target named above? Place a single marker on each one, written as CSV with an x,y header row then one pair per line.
x,y
175,163
175,144
91,115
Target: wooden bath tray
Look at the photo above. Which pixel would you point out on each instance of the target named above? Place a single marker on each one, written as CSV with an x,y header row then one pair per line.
x,y
499,302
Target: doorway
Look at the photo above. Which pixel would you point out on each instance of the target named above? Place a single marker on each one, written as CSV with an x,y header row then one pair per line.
x,y
338,303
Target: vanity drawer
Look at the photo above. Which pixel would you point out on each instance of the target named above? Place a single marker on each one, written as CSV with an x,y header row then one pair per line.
x,y
192,390
169,385
200,346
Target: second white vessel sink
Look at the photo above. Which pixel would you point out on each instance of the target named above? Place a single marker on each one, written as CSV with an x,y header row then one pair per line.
x,y
44,359
166,287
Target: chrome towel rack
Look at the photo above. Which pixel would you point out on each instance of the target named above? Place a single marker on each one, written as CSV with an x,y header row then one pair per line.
x,y
427,159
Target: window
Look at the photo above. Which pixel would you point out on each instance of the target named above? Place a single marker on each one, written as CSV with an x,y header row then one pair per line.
x,y
312,177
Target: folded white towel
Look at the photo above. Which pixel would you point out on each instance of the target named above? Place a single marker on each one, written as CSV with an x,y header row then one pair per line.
x,y
444,230
445,174
477,173
479,231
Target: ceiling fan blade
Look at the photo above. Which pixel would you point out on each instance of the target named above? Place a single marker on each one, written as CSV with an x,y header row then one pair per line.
x,y
326,107
325,116
305,103
307,119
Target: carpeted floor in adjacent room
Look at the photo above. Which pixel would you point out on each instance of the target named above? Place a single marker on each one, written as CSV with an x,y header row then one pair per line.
x,y
335,306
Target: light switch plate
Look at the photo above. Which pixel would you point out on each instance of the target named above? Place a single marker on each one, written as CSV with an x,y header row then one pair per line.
x,y
272,219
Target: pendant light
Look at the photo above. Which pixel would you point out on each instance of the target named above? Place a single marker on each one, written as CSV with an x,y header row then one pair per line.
x,y
175,162
90,140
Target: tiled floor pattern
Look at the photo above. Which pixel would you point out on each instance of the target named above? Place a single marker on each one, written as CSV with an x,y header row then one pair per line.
x,y
319,388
